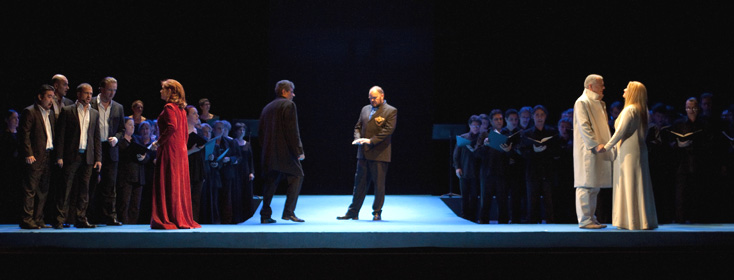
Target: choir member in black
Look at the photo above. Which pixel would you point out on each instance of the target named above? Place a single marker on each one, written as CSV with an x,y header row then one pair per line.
x,y
466,165
36,134
707,106
492,172
567,114
613,113
245,175
712,171
485,124
206,116
515,168
526,117
154,129
664,162
209,209
226,149
196,162
130,175
137,115
564,194
540,171
10,166
691,151
205,131
78,152
145,137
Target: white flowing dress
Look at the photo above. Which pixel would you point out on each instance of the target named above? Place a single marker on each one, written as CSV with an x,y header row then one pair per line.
x,y
634,203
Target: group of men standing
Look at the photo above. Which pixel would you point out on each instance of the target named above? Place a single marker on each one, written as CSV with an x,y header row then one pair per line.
x,y
66,145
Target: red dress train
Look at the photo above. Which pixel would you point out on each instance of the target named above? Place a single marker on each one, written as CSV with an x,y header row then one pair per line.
x,y
171,188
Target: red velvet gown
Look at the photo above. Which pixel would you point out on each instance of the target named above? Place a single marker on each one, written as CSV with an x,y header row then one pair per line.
x,y
171,188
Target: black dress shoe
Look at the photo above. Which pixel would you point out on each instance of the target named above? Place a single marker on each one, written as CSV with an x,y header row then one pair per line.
x,y
377,216
84,224
29,226
348,217
58,226
293,218
267,221
67,225
114,222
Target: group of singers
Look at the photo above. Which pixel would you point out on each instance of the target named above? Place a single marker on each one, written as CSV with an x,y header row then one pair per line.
x,y
691,157
97,166
85,163
81,161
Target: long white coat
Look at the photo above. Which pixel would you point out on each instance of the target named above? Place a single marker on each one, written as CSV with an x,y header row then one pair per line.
x,y
634,202
590,128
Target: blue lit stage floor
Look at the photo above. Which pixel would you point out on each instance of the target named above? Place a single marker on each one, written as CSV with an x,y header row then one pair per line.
x,y
409,221
419,238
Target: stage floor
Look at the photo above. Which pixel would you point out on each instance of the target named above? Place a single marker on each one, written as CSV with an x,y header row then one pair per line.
x,y
409,221
419,238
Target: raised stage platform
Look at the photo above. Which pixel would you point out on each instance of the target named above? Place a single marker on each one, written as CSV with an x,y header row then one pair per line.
x,y
414,228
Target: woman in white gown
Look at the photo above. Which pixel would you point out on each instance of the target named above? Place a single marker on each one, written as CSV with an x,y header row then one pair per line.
x,y
634,203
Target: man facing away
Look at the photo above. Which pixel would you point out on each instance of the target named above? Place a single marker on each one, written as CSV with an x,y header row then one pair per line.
x,y
282,151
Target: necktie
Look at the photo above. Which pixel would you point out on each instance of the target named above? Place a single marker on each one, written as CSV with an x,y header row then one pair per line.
x,y
374,109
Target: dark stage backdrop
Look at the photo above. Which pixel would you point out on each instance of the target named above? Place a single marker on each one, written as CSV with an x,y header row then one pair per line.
x,y
438,61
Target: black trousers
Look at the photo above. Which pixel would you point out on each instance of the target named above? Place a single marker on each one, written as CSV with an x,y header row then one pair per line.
x,y
494,186
272,179
35,191
103,195
129,195
196,186
516,189
540,182
73,199
469,202
687,190
368,171
228,194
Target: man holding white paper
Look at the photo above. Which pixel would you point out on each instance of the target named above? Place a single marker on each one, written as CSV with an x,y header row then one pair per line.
x,y
373,135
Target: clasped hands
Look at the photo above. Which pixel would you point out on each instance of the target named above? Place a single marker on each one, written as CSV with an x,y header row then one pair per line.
x,y
598,149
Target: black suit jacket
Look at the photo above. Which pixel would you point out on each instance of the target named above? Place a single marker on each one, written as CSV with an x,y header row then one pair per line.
x,y
379,130
32,132
280,137
116,124
69,132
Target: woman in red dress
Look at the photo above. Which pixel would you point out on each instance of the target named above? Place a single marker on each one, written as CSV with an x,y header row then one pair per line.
x,y
171,189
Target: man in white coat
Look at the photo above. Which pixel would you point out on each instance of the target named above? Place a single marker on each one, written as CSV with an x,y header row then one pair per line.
x,y
591,165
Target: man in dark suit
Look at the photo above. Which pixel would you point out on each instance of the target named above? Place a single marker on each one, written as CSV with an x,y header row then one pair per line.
x,y
282,151
111,129
36,134
373,134
61,86
78,152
